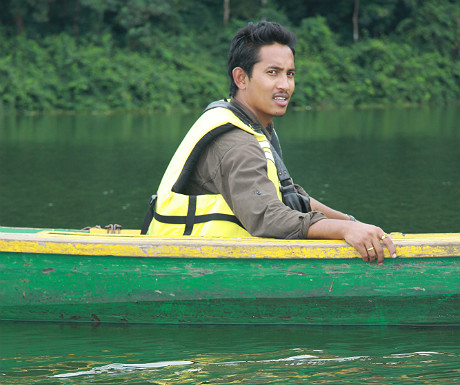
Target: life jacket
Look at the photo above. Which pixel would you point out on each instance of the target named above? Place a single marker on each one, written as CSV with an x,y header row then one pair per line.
x,y
176,214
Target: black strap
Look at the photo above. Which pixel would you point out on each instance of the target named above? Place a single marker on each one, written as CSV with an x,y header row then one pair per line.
x,y
149,215
190,219
283,173
274,141
181,182
291,197
182,219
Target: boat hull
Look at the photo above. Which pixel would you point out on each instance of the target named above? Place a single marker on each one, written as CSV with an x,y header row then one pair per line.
x,y
216,289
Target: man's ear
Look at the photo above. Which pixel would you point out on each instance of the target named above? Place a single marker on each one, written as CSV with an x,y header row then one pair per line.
x,y
240,78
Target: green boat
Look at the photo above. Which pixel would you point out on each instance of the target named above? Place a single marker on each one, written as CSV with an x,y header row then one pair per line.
x,y
124,277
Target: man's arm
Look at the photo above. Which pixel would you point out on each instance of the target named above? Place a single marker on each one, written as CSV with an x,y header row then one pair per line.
x,y
234,165
327,211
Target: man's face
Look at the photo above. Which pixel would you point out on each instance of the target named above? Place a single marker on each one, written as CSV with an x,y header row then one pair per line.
x,y
268,91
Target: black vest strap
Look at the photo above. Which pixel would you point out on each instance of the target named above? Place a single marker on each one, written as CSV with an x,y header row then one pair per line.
x,y
181,183
149,215
190,219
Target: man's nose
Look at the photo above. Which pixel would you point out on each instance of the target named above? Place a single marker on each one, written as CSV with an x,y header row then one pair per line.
x,y
283,82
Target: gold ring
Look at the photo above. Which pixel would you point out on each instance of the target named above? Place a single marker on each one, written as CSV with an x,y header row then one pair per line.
x,y
384,236
370,248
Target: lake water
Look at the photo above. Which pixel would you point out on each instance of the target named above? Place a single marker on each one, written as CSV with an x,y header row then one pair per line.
x,y
398,168
64,354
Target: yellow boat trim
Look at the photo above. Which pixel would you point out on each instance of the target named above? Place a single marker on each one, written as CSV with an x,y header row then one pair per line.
x,y
130,244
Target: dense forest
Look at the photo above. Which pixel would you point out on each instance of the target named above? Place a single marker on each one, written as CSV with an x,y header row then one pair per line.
x,y
160,54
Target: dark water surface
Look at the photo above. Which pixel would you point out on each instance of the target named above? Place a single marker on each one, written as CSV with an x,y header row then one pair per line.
x,y
398,168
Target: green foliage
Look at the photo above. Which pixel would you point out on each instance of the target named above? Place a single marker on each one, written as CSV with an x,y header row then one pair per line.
x,y
434,25
369,72
394,73
61,73
152,54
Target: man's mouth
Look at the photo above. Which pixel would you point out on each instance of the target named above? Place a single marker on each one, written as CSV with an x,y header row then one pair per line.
x,y
281,100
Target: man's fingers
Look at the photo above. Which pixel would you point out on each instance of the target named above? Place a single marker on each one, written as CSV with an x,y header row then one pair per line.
x,y
370,242
388,242
371,253
375,252
361,249
380,255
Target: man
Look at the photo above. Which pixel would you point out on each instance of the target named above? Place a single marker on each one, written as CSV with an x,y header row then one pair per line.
x,y
227,177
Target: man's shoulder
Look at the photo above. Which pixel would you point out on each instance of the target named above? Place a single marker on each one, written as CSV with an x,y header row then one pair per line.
x,y
235,141
235,137
236,134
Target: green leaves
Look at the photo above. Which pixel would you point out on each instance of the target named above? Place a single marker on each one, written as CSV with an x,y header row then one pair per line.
x,y
155,54
64,73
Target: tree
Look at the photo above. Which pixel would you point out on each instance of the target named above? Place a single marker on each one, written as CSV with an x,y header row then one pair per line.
x,y
226,11
355,21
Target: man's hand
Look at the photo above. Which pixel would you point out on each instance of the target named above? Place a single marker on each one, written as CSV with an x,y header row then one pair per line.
x,y
367,239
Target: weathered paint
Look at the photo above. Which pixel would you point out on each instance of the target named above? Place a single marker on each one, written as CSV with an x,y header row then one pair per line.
x,y
207,281
131,244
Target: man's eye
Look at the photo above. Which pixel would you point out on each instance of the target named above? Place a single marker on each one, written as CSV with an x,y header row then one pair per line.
x,y
291,74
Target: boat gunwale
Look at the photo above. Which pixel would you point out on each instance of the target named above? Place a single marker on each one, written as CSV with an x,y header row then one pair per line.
x,y
131,244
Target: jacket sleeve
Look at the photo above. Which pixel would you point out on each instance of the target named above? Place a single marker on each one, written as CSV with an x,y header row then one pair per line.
x,y
235,166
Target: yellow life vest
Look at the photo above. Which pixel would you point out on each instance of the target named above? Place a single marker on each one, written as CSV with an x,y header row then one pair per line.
x,y
177,214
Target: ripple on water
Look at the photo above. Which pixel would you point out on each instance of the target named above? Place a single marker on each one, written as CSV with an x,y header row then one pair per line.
x,y
278,367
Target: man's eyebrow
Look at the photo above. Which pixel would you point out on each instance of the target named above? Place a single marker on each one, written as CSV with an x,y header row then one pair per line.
x,y
275,67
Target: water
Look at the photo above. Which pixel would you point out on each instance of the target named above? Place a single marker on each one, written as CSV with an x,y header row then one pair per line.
x,y
63,354
395,168
398,168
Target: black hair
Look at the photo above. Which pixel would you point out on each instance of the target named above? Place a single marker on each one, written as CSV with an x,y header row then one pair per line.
x,y
246,44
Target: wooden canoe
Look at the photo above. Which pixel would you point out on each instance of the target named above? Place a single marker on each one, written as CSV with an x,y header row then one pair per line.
x,y
92,276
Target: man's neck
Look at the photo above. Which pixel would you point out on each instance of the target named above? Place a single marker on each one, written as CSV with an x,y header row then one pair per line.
x,y
266,130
